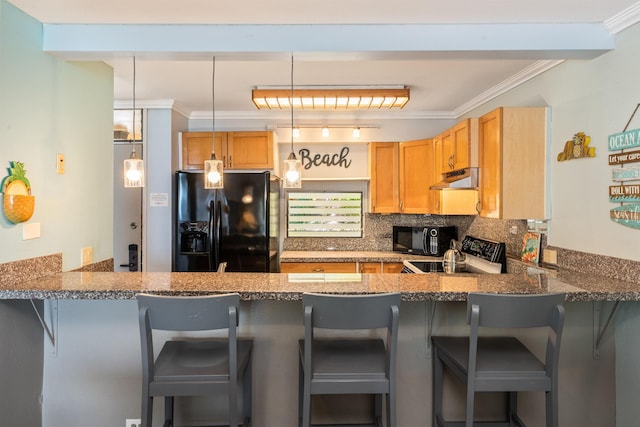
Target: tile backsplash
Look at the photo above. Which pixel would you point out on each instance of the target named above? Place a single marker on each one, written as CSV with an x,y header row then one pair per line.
x,y
377,235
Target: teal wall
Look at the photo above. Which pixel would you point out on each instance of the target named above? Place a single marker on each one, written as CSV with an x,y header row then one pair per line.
x,y
50,106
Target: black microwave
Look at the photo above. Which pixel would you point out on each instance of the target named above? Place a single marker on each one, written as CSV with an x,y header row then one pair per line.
x,y
429,241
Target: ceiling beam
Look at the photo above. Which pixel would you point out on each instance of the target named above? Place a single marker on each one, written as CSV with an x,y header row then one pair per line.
x,y
258,42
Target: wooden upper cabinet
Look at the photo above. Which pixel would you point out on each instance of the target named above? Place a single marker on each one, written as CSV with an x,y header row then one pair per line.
x,y
237,150
448,151
460,146
512,160
196,148
414,176
249,150
434,173
383,170
399,176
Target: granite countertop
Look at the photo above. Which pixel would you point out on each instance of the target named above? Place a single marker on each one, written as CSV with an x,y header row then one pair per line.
x,y
275,286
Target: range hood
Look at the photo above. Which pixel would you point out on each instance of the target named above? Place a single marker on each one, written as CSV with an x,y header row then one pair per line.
x,y
463,178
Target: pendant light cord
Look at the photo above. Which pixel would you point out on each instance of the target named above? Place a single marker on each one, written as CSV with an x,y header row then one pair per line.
x,y
133,124
213,109
291,103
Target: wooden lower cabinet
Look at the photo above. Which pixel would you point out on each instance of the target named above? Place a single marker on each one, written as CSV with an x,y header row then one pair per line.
x,y
340,267
318,267
379,267
392,267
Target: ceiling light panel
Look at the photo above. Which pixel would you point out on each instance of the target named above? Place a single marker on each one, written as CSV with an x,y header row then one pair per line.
x,y
331,99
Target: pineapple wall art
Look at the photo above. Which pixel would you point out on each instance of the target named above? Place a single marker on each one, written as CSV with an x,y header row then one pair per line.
x,y
17,202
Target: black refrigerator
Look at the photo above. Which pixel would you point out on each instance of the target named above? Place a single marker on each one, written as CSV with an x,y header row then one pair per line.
x,y
237,225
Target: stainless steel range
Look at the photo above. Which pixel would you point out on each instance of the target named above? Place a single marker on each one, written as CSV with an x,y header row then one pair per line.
x,y
482,256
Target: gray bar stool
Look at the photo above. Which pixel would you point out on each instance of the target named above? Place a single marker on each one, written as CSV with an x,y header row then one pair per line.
x,y
502,363
349,364
193,367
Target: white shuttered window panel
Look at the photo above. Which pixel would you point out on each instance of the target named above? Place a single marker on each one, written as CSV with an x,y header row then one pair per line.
x,y
324,214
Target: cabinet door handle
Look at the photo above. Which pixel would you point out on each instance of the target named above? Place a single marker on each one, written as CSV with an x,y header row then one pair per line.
x,y
318,270
478,206
230,162
401,204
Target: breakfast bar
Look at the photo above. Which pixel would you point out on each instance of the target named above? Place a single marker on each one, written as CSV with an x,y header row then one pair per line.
x,y
93,352
289,287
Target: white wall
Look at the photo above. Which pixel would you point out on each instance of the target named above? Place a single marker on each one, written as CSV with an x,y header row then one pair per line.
x,y
49,106
158,225
596,97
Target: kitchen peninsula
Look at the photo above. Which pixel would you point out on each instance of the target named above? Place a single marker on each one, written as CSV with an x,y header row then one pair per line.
x,y
93,318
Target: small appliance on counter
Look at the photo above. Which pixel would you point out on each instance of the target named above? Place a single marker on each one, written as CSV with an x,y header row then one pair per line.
x,y
429,241
480,256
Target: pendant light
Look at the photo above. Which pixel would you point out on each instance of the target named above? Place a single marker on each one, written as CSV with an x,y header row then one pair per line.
x,y
134,166
213,169
292,166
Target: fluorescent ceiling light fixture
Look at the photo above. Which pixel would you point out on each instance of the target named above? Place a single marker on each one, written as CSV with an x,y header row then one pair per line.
x,y
330,99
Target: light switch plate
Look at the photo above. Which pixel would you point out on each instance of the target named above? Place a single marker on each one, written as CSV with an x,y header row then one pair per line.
x,y
87,256
550,256
31,231
60,163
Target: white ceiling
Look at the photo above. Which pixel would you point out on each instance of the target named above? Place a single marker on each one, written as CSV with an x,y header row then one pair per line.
x,y
442,84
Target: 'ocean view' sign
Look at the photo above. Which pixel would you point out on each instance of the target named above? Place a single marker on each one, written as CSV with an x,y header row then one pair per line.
x,y
624,140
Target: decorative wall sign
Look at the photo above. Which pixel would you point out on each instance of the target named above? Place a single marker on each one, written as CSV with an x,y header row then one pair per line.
x,y
622,158
628,215
624,193
331,161
577,148
337,159
628,195
18,203
626,174
624,140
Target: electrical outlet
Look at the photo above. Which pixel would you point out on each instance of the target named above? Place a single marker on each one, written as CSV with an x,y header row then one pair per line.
x,y
87,256
550,256
133,422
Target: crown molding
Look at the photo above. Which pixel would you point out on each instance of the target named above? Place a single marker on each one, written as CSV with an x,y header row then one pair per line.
x,y
517,79
624,19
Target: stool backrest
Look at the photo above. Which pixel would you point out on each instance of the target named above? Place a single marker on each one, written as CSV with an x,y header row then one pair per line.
x,y
514,311
189,313
351,311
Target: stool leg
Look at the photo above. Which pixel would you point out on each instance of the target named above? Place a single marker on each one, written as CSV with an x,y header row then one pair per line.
x,y
306,401
391,408
438,381
246,395
513,408
168,411
147,409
